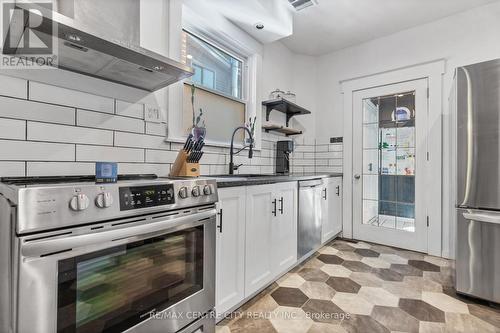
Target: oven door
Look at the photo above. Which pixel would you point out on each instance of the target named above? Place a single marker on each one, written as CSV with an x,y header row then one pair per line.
x,y
148,274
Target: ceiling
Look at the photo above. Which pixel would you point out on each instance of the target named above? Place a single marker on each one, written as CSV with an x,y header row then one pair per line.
x,y
336,24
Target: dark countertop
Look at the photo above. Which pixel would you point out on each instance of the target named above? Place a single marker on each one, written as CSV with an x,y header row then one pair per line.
x,y
235,181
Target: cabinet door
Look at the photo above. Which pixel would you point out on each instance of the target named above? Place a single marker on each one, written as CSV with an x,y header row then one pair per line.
x,y
331,208
284,228
260,214
230,249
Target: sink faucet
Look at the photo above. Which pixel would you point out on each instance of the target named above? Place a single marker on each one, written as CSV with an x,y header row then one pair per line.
x,y
232,167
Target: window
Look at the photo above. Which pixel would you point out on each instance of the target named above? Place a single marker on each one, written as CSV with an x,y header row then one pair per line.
x,y
218,78
214,68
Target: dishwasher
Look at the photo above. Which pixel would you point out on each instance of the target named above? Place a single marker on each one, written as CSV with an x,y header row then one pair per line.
x,y
309,225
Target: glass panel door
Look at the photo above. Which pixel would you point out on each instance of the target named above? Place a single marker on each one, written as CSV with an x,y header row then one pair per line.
x,y
389,161
114,289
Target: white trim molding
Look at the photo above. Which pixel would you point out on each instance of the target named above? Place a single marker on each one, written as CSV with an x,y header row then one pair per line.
x,y
432,71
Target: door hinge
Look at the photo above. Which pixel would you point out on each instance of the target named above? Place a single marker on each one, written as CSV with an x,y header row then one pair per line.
x,y
427,221
428,93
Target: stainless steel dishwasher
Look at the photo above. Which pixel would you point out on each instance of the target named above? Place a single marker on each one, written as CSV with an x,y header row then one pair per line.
x,y
309,228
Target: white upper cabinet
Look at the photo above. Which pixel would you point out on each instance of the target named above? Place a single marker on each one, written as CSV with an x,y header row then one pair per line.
x,y
230,249
331,208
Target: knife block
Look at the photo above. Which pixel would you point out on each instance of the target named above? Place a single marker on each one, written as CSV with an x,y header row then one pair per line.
x,y
182,168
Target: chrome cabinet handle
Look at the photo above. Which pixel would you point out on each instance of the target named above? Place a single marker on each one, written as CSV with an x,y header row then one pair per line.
x,y
281,205
324,191
338,191
357,176
220,221
274,209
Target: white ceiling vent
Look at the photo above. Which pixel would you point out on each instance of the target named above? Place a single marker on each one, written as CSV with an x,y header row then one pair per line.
x,y
302,4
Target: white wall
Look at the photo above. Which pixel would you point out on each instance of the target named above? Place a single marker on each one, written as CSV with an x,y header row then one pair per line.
x,y
461,39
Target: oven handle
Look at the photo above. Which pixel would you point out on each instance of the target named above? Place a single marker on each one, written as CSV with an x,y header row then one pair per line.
x,y
41,247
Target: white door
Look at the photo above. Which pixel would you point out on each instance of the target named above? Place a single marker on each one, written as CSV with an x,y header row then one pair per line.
x,y
284,227
261,209
230,249
390,164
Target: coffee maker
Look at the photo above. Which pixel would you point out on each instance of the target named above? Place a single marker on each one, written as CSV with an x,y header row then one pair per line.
x,y
283,150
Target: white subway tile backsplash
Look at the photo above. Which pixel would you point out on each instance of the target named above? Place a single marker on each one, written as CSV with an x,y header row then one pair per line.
x,y
159,129
14,87
36,151
64,132
70,134
12,129
108,121
35,169
62,96
87,153
135,110
12,169
160,156
123,139
213,159
20,109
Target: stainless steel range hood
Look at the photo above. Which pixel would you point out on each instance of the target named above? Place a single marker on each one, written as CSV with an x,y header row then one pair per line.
x,y
90,53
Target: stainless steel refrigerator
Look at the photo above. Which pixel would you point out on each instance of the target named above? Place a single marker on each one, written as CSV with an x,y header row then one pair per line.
x,y
477,100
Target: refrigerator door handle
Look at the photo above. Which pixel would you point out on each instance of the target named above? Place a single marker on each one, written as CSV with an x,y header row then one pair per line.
x,y
482,217
470,140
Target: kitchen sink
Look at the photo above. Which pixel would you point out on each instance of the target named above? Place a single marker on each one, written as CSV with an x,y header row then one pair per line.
x,y
244,176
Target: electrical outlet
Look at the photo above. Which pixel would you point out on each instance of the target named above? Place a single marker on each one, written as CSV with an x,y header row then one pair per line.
x,y
153,114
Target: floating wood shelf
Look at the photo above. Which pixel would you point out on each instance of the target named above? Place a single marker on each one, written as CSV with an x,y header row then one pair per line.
x,y
284,106
281,129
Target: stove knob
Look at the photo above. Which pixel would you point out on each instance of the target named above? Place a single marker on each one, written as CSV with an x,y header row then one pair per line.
x,y
207,190
79,202
196,191
104,200
183,192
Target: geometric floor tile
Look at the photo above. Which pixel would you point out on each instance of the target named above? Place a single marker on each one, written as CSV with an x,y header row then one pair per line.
x,y
336,270
357,266
323,311
378,296
289,297
421,310
311,274
367,253
352,303
424,265
317,290
360,287
344,285
395,319
406,270
388,274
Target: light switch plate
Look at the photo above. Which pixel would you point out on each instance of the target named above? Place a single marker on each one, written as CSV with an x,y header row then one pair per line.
x,y
153,114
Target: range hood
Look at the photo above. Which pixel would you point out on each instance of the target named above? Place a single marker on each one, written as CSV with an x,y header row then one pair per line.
x,y
89,53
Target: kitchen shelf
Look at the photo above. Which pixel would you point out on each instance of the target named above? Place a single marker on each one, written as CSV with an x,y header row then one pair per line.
x,y
281,129
284,106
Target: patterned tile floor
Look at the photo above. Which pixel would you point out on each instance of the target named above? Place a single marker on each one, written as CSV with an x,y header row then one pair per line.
x,y
358,287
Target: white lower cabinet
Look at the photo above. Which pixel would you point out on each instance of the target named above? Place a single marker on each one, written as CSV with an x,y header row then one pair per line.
x,y
230,249
271,233
331,208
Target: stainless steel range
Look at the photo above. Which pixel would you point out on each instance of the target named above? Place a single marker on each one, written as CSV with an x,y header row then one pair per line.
x,y
134,256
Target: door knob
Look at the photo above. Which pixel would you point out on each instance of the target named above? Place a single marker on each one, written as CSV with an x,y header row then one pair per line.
x,y
357,176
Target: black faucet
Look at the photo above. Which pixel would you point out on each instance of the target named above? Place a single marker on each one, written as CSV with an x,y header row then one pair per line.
x,y
232,167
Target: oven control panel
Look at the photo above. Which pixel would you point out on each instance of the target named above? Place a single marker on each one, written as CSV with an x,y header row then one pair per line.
x,y
146,196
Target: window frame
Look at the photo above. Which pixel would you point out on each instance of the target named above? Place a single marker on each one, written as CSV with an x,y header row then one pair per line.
x,y
235,55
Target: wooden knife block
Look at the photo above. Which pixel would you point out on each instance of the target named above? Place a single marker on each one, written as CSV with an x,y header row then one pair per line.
x,y
182,168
